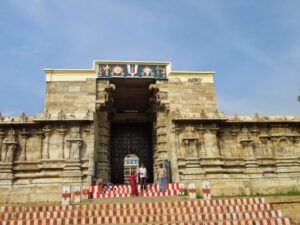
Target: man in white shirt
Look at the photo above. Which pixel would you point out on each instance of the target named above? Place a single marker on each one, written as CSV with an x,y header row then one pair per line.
x,y
143,176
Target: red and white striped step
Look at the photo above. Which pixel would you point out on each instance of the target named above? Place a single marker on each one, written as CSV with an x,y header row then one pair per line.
x,y
244,215
152,190
148,220
244,211
239,203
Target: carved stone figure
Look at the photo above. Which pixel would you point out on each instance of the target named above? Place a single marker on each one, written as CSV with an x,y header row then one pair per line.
x,y
283,148
9,147
74,143
190,140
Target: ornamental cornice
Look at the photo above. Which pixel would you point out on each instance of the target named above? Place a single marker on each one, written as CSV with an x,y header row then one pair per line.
x,y
256,118
46,117
202,116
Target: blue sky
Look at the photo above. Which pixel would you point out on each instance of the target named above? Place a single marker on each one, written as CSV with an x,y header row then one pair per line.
x,y
253,46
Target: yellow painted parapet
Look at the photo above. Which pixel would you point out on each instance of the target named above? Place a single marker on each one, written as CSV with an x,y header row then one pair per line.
x,y
204,77
83,74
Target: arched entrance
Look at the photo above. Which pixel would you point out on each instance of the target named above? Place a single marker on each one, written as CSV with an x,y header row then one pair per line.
x,y
131,165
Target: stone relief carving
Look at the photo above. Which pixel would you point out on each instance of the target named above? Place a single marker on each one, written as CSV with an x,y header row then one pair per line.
x,y
247,142
284,147
190,141
9,147
74,143
61,115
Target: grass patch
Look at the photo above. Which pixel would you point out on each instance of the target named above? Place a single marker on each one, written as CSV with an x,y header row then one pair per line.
x,y
293,191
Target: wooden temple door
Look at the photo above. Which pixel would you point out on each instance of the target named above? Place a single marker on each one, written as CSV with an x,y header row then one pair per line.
x,y
130,138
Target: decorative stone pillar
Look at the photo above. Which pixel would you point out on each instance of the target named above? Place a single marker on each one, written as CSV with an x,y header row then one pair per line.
x,y
274,146
2,134
202,152
161,106
235,152
212,162
173,153
256,143
47,133
210,141
9,147
62,132
161,135
103,151
24,134
40,134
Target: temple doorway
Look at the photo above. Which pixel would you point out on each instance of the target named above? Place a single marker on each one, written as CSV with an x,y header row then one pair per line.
x,y
127,139
131,126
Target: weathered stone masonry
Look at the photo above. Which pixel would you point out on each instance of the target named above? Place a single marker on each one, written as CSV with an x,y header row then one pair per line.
x,y
70,141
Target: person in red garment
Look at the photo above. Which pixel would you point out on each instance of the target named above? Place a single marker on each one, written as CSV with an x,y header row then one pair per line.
x,y
133,185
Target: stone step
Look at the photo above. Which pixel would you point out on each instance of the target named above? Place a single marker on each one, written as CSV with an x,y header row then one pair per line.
x,y
184,209
185,219
116,194
257,202
174,213
112,212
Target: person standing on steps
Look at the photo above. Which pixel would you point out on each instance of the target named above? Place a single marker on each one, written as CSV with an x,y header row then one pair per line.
x,y
143,177
161,176
133,185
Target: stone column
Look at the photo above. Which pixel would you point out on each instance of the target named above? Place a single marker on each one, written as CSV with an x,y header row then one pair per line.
x,y
62,131
235,152
202,152
40,134
9,146
47,133
103,156
2,134
174,160
274,146
161,141
256,141
24,134
210,140
212,162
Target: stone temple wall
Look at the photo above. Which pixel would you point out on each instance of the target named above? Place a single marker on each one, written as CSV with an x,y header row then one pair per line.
x,y
238,155
70,96
39,154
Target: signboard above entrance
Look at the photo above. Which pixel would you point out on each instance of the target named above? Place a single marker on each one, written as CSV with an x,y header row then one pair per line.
x,y
131,70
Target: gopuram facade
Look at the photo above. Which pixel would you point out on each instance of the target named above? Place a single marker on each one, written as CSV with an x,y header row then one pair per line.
x,y
95,117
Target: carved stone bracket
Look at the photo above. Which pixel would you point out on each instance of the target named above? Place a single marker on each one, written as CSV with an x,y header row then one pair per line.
x,y
104,96
160,97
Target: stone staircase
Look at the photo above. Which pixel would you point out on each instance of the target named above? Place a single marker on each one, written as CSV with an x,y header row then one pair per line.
x,y
172,189
141,210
